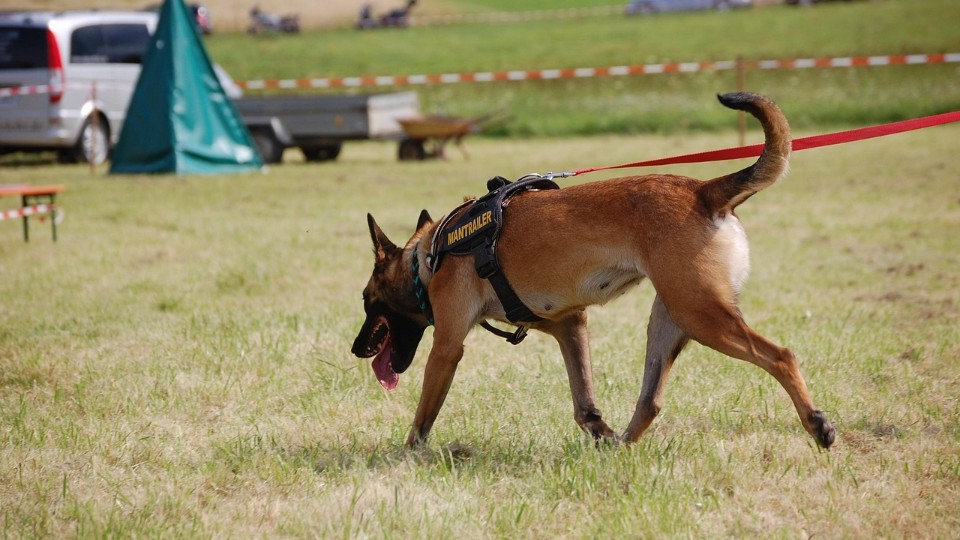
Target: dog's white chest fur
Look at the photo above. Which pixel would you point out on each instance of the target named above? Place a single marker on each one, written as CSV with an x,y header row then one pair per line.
x,y
734,250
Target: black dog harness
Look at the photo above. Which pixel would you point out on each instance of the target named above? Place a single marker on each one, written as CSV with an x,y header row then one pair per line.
x,y
473,229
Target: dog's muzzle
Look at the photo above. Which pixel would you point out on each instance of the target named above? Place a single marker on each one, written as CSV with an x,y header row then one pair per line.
x,y
392,342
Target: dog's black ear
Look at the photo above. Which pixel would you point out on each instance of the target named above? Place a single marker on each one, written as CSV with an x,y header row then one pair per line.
x,y
424,219
381,244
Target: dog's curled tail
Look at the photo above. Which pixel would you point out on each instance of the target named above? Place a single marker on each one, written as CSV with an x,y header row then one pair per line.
x,y
725,193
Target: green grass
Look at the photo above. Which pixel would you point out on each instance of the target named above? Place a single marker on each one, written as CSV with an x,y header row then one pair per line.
x,y
654,103
178,363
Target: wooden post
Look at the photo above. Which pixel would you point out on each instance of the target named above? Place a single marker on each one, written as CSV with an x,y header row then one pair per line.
x,y
95,126
741,116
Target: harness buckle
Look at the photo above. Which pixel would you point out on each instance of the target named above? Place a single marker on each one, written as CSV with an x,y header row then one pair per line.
x,y
485,260
518,336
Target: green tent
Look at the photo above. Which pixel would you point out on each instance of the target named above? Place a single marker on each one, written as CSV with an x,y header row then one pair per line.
x,y
179,119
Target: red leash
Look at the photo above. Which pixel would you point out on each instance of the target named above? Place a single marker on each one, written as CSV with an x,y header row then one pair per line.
x,y
803,143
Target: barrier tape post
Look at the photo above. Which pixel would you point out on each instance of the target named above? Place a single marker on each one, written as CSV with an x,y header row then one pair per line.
x,y
741,87
95,127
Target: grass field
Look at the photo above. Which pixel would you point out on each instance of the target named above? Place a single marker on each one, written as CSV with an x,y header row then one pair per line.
x,y
642,104
178,363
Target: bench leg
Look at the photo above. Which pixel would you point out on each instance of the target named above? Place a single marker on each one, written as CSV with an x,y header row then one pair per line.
x,y
32,200
26,220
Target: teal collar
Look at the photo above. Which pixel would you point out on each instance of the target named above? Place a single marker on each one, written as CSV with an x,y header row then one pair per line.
x,y
419,290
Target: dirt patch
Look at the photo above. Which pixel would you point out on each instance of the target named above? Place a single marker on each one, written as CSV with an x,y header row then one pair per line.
x,y
229,15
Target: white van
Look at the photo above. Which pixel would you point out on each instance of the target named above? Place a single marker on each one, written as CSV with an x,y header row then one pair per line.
x,y
74,56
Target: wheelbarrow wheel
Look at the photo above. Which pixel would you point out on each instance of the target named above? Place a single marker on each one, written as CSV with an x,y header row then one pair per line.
x,y
411,150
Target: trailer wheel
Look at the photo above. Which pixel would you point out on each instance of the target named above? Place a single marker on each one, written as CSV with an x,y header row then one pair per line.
x,y
322,152
411,150
267,144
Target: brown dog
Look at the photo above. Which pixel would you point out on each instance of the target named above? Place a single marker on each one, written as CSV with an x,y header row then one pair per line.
x,y
565,249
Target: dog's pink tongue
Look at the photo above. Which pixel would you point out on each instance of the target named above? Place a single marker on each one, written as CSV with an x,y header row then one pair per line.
x,y
384,370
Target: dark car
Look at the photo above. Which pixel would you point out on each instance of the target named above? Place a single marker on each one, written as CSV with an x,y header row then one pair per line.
x,y
644,7
200,14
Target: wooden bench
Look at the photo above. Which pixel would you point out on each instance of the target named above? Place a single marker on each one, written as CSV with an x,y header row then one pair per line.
x,y
34,200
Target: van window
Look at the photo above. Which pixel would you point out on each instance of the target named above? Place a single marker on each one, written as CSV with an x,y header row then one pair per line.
x,y
22,48
109,44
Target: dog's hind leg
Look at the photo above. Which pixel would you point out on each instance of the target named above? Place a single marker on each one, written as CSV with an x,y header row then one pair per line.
x,y
665,340
720,327
571,333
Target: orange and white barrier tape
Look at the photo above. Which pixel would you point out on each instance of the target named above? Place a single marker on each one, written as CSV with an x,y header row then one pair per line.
x,y
609,71
26,90
27,211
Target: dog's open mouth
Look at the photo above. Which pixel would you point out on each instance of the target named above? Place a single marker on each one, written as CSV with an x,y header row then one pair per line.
x,y
382,353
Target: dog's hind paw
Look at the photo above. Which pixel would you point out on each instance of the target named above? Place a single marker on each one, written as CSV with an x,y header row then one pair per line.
x,y
823,430
593,424
612,442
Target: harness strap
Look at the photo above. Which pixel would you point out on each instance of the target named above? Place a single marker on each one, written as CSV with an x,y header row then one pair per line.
x,y
488,268
513,338
432,258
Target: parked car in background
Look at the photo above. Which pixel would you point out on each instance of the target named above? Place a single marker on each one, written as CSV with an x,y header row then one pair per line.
x,y
74,55
646,7
808,2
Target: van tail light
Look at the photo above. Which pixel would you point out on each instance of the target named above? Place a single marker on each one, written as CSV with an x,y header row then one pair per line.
x,y
55,64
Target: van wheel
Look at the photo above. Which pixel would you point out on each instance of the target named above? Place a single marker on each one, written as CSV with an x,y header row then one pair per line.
x,y
93,144
271,151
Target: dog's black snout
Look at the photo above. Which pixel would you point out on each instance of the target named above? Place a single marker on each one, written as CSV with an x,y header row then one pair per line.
x,y
361,344
357,348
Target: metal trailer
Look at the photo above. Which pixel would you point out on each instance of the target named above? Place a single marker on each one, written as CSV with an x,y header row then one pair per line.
x,y
319,125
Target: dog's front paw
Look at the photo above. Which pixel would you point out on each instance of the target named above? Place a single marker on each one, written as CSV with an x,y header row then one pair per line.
x,y
822,429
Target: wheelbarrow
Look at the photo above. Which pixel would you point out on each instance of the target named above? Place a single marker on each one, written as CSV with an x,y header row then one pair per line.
x,y
427,135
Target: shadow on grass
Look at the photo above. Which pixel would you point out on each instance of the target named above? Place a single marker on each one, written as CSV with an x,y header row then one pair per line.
x,y
333,460
28,159
340,458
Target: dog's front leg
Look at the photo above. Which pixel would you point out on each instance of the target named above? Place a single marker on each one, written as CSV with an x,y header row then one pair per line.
x,y
571,333
437,376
